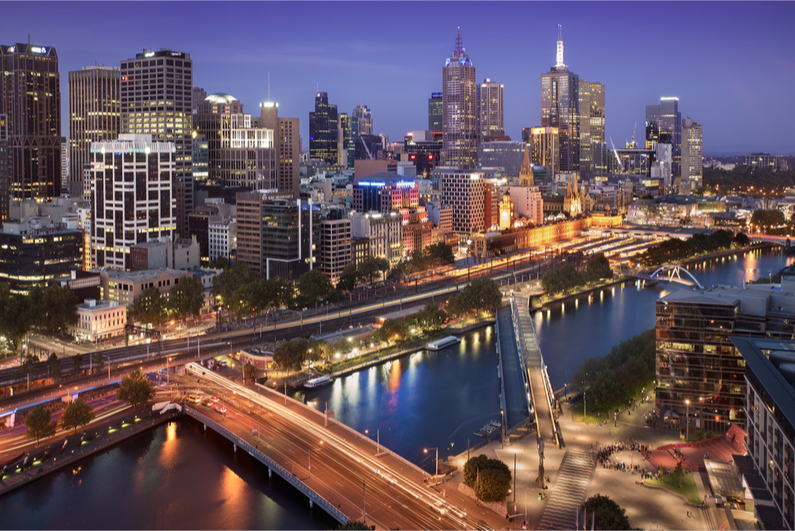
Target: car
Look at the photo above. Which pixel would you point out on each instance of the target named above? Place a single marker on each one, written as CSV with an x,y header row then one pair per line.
x,y
206,402
221,409
194,398
215,399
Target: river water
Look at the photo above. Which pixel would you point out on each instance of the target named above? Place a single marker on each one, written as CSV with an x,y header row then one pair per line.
x,y
177,477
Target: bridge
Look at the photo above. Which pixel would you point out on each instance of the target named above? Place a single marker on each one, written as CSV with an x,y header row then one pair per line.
x,y
666,273
339,469
514,396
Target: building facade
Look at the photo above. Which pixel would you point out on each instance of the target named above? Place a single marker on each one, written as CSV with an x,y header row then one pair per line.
x,y
290,238
133,197
465,193
365,119
692,170
94,116
664,126
124,287
335,243
383,192
545,148
98,320
156,100
502,154
560,108
30,97
592,128
383,232
287,144
435,112
222,239
5,168
323,134
459,110
491,113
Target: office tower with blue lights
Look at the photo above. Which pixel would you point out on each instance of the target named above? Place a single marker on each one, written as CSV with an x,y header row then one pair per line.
x,y
560,108
30,97
459,110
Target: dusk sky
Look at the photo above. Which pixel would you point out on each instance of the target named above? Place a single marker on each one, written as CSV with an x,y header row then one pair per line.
x,y
732,64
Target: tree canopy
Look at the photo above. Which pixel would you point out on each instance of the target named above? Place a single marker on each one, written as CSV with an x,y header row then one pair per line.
x,y
767,219
135,389
40,424
315,285
490,478
186,298
676,249
77,414
481,295
150,307
569,277
607,513
291,354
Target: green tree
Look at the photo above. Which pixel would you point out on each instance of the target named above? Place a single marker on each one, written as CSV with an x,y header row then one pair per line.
x,y
598,268
77,364
17,314
441,254
742,240
767,219
356,525
607,513
228,285
58,309
135,389
490,478
149,307
186,298
431,317
348,278
679,473
315,285
100,361
40,424
291,354
249,372
54,366
77,414
220,263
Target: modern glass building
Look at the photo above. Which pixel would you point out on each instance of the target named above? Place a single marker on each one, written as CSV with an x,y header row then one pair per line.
x,y
592,128
5,167
664,126
560,108
459,110
30,97
323,124
691,153
435,112
290,238
491,114
364,119
502,154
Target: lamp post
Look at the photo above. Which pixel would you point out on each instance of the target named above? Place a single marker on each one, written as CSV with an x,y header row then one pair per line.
x,y
436,466
168,375
687,420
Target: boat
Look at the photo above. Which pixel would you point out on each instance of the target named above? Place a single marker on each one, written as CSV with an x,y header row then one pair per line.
x,y
318,382
442,343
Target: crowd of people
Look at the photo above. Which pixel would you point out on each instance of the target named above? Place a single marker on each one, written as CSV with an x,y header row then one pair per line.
x,y
604,453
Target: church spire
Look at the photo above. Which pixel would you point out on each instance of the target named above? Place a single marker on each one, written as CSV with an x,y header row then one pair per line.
x,y
526,171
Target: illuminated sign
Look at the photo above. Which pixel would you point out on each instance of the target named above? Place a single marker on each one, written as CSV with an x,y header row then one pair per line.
x,y
176,54
38,49
11,50
149,54
405,184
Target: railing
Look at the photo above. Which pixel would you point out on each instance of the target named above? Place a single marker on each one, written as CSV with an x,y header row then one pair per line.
x,y
283,472
503,407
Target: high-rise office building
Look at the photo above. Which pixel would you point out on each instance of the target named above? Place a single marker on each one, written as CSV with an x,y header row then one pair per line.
x,y
560,107
459,110
465,193
664,126
323,134
198,95
545,148
5,167
239,155
592,128
335,243
435,112
365,119
64,166
491,115
156,99
94,116
691,152
288,146
133,197
30,96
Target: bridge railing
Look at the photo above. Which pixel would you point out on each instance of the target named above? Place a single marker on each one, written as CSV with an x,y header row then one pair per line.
x,y
273,465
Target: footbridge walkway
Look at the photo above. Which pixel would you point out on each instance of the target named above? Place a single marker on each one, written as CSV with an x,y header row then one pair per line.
x,y
540,389
515,397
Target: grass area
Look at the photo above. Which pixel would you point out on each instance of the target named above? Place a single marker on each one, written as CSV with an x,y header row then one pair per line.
x,y
670,482
596,415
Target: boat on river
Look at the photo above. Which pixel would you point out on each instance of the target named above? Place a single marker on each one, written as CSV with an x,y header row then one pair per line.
x,y
439,344
318,382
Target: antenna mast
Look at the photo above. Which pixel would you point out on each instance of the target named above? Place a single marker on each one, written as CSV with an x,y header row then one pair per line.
x,y
269,86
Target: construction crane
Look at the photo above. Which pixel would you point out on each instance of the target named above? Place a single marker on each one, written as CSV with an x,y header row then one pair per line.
x,y
367,149
615,151
632,143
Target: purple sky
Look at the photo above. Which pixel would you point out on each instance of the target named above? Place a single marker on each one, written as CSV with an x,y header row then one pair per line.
x,y
732,64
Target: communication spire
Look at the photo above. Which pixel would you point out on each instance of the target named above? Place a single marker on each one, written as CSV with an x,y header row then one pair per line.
x,y
459,50
269,86
559,61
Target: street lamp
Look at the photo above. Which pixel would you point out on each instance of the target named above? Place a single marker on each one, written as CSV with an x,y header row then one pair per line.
x,y
687,420
168,376
436,466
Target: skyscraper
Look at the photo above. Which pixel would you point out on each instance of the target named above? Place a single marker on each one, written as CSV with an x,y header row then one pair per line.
x,y
348,133
560,108
459,110
156,97
365,118
30,96
545,148
94,116
323,124
592,127
5,167
664,126
288,146
435,112
133,197
491,116
691,152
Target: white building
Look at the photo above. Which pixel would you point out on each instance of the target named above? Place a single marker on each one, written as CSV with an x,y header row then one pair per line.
x,y
222,238
98,320
691,153
385,232
528,202
465,193
132,203
335,246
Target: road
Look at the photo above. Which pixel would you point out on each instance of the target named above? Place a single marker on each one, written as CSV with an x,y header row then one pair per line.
x,y
341,460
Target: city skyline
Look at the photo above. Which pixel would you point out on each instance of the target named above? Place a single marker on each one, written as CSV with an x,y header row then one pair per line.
x,y
395,71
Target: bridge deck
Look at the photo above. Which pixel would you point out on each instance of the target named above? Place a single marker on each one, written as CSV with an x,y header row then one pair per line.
x,y
539,382
516,404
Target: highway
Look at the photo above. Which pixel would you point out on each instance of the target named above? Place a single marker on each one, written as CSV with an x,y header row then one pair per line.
x,y
341,460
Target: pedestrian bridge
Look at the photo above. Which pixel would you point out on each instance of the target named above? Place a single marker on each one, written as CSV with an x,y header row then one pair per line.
x,y
667,273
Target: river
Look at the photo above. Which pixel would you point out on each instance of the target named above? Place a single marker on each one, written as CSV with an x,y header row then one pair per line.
x,y
177,477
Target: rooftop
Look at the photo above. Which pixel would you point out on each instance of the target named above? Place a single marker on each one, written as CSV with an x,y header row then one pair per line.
x,y
146,274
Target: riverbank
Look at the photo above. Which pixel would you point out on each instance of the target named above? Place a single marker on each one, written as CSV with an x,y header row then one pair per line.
x,y
67,450
722,254
538,303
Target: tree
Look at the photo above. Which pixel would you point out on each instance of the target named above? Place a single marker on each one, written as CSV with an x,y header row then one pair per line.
x,y
135,389
100,361
490,478
58,309
441,254
598,268
77,414
40,424
430,317
315,285
291,354
249,372
743,240
54,366
220,263
767,219
607,513
186,298
17,314
679,473
227,285
348,278
356,525
149,307
77,364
